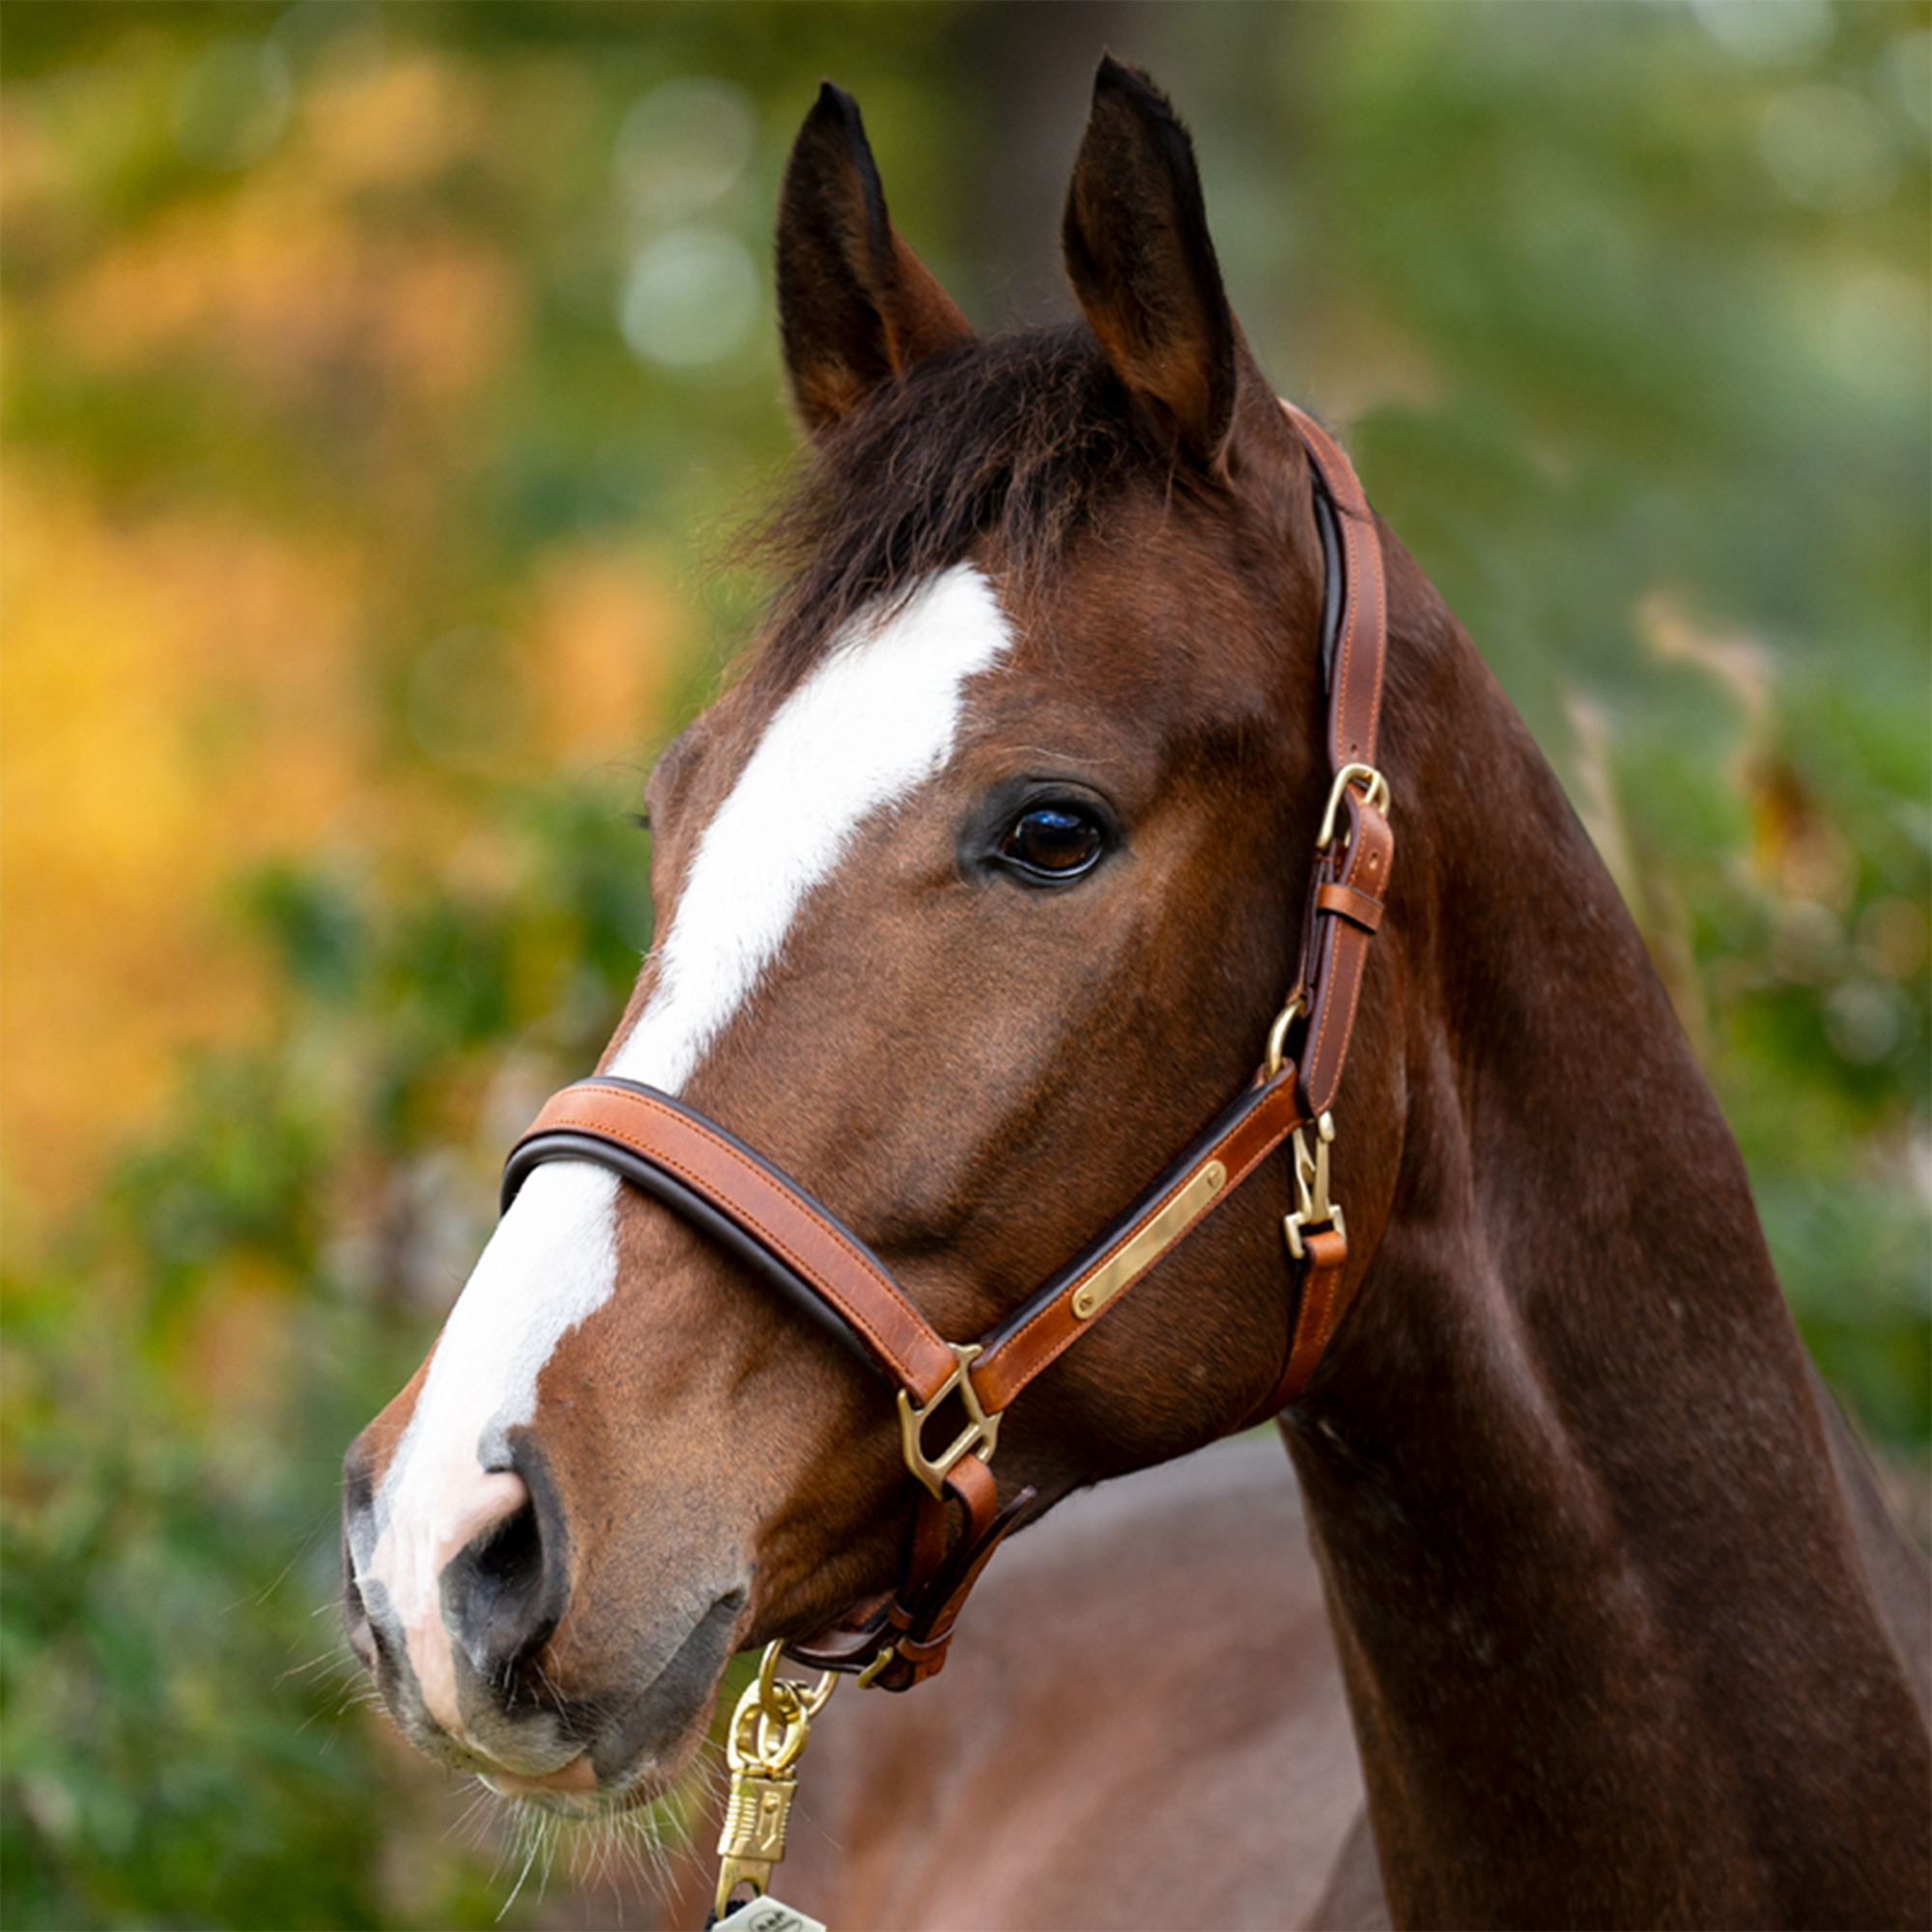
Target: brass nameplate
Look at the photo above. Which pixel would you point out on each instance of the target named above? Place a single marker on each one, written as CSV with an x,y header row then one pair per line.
x,y
1152,1242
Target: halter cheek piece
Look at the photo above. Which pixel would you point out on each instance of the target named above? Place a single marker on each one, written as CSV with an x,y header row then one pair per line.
x,y
771,1223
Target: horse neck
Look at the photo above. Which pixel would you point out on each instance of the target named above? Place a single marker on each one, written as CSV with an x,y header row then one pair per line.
x,y
1611,1643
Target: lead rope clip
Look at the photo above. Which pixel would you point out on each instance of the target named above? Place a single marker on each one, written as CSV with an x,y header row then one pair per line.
x,y
1314,1209
767,1735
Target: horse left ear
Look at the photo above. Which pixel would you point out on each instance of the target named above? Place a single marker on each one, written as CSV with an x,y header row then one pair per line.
x,y
1137,248
856,305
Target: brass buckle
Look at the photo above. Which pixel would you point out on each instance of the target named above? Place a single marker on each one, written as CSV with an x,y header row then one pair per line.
x,y
980,1433
1373,784
1314,1209
874,1670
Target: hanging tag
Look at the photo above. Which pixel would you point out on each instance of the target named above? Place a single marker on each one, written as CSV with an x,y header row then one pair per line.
x,y
767,1914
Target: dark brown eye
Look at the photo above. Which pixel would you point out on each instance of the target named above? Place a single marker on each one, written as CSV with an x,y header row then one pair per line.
x,y
1053,841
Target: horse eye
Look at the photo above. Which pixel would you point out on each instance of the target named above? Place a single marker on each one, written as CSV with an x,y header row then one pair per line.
x,y
1051,842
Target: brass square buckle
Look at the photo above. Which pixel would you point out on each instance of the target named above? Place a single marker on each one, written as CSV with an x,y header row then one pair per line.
x,y
980,1433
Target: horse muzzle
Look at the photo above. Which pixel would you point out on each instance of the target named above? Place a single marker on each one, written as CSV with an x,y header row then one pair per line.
x,y
462,1626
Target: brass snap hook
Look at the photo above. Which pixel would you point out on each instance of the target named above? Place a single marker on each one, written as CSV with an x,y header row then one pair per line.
x,y
767,1733
1314,1209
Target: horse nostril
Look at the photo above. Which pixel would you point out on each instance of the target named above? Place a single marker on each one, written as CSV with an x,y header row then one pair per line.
x,y
511,1556
504,1594
356,1614
356,1493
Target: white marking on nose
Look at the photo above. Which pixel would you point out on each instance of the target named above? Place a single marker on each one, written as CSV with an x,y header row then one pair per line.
x,y
552,1261
873,721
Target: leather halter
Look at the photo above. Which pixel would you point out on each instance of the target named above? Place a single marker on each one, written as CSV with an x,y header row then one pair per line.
x,y
800,1247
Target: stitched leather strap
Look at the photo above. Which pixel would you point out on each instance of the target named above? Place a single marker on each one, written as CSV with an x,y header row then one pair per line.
x,y
1352,877
1049,1322
1345,908
1350,883
764,1216
1361,645
1318,1312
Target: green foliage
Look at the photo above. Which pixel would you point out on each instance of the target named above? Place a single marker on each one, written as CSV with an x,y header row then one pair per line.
x,y
175,1753
183,1737
1669,461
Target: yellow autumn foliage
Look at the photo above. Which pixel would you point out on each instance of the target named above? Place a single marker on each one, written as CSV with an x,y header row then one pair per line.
x,y
192,683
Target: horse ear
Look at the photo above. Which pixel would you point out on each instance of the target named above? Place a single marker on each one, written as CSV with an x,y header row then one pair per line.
x,y
856,305
1135,237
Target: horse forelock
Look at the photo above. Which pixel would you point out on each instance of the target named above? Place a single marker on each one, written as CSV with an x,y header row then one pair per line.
x,y
1014,444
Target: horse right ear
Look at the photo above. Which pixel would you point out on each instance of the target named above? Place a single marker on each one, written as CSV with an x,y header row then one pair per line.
x,y
856,305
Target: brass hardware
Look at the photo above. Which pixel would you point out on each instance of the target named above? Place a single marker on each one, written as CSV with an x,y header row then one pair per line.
x,y
771,1688
1313,1208
980,1433
1162,1231
1278,1034
753,1837
874,1670
1373,783
767,1734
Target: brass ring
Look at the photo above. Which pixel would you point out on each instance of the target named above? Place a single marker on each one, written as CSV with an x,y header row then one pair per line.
x,y
1278,1033
809,1700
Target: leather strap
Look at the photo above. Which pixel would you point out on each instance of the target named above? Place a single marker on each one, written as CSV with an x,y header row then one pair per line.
x,y
1049,1322
1318,1312
1351,904
1346,909
1361,645
1352,876
766,1216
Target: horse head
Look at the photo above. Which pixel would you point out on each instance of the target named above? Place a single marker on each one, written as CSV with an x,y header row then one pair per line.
x,y
975,895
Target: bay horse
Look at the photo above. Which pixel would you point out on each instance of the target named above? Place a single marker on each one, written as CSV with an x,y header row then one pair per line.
x,y
986,885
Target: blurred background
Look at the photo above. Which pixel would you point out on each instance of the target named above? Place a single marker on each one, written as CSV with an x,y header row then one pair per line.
x,y
380,387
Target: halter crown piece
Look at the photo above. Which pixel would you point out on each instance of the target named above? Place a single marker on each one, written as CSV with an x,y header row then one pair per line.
x,y
675,1155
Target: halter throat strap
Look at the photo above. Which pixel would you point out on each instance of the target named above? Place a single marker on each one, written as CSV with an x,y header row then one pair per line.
x,y
798,1246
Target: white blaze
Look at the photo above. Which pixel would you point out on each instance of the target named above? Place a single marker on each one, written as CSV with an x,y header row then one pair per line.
x,y
874,720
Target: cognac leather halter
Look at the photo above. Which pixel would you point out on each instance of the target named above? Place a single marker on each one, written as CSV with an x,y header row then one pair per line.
x,y
675,1155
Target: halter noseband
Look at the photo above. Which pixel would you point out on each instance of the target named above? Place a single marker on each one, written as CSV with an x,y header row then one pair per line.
x,y
763,1217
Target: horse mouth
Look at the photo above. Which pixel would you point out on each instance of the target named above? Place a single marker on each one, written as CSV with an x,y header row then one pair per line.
x,y
639,1755
571,1790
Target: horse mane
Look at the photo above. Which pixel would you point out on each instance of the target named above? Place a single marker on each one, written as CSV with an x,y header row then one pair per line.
x,y
1020,441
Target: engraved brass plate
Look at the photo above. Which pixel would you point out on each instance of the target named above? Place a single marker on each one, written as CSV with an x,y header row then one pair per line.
x,y
1152,1242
